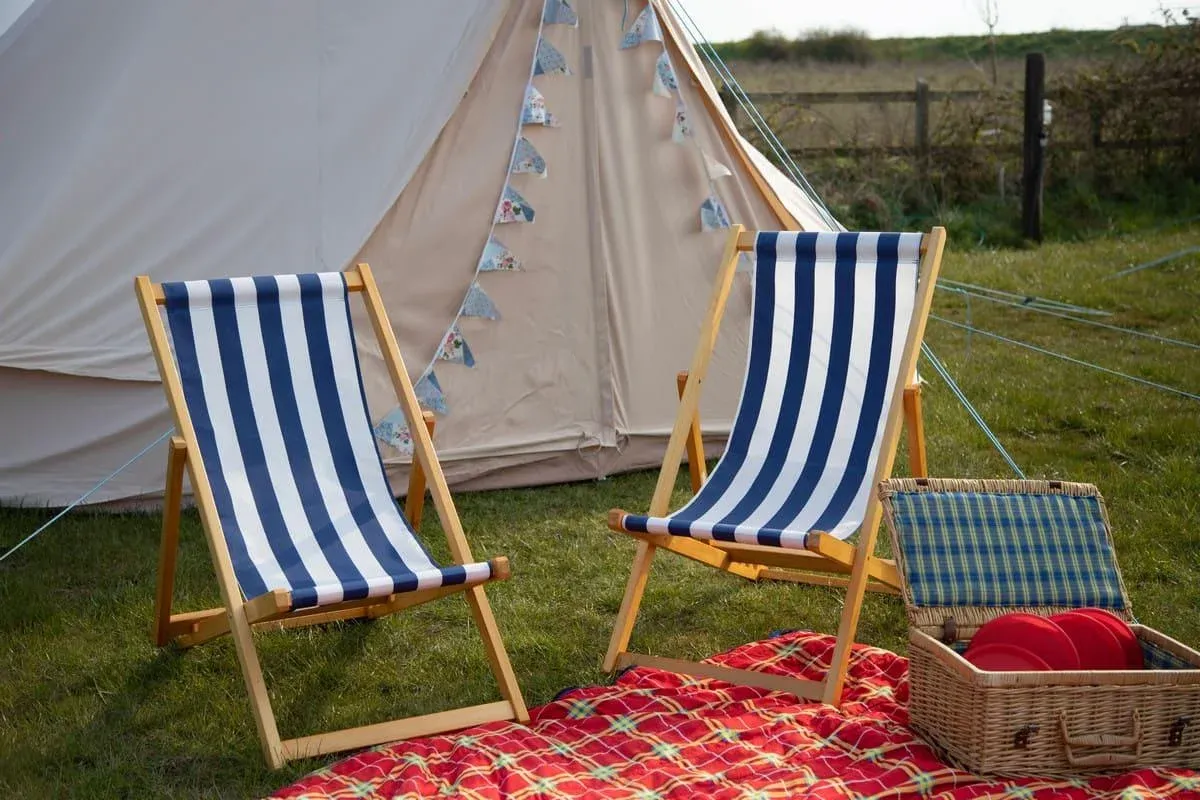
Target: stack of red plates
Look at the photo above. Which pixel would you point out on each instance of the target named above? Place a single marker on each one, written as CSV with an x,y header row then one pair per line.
x,y
1086,638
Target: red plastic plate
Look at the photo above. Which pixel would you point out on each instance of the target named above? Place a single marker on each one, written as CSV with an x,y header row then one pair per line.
x,y
1033,633
1119,628
999,657
1098,646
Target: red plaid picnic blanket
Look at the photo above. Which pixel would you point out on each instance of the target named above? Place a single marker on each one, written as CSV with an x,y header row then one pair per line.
x,y
656,734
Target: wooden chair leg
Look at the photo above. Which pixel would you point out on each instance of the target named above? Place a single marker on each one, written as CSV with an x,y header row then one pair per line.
x,y
627,616
169,547
697,468
914,423
414,501
497,655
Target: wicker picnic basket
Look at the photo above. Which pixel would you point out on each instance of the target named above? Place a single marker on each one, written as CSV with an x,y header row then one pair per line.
x,y
969,551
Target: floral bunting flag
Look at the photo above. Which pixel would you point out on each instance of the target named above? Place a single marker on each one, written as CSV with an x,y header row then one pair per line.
x,y
549,61
559,12
429,394
683,128
526,159
454,348
513,207
714,168
535,112
393,430
713,215
644,29
498,258
665,83
478,304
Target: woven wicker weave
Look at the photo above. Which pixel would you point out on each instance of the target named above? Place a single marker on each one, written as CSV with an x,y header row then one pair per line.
x,y
1038,723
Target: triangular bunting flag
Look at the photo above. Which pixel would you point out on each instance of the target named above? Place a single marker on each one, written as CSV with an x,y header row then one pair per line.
x,y
644,29
549,61
713,215
393,430
454,348
478,304
559,12
665,83
497,258
513,207
683,128
745,263
535,112
429,394
715,169
527,159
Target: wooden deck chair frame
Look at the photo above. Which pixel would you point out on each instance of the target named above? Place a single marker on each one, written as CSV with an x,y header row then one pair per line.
x,y
856,566
241,617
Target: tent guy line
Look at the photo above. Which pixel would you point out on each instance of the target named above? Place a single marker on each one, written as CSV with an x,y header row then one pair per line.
x,y
82,498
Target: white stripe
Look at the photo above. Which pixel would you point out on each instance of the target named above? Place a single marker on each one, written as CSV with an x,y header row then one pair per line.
x,y
358,426
332,491
279,468
212,377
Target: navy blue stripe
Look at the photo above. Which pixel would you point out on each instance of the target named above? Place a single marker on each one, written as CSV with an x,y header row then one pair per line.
x,y
762,318
872,411
180,321
803,298
254,459
835,382
295,442
344,462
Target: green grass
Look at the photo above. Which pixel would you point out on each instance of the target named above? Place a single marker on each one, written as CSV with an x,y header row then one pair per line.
x,y
89,709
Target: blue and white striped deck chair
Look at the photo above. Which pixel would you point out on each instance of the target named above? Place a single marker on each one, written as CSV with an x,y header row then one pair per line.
x,y
262,378
836,326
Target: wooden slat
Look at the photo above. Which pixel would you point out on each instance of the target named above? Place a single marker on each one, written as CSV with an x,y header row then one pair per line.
x,y
690,402
396,730
742,677
866,565
817,579
168,549
914,423
264,718
694,549
424,454
697,468
414,501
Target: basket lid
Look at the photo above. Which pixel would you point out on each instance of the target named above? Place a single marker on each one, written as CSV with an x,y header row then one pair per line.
x,y
971,550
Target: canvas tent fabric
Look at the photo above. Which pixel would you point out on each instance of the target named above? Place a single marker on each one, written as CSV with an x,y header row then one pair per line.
x,y
195,140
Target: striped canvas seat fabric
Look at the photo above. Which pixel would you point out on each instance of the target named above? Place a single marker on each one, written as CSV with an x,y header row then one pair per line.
x,y
831,312
270,376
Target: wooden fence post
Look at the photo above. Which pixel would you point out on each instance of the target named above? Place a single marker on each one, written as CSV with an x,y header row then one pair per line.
x,y
922,131
1034,151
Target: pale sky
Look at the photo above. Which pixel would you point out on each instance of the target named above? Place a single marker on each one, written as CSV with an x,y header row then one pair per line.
x,y
721,20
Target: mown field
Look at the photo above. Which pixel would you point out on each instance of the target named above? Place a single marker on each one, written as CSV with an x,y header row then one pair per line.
x,y
89,709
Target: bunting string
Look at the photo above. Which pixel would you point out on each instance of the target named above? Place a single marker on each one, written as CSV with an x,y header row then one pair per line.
x,y
511,208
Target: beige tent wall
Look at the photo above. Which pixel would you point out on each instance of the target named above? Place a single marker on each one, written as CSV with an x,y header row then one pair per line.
x,y
577,379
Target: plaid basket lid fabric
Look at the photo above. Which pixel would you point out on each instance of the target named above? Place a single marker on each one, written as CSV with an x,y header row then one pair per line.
x,y
1027,547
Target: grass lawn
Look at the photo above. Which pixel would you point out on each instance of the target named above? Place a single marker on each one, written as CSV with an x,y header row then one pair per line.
x,y
88,708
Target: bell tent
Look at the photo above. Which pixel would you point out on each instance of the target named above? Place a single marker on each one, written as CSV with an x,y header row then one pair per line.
x,y
540,187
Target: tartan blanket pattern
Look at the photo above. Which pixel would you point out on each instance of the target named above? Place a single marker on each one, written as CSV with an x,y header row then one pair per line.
x,y
655,735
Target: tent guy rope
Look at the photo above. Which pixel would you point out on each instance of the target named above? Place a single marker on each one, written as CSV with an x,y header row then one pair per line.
x,y
87,494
